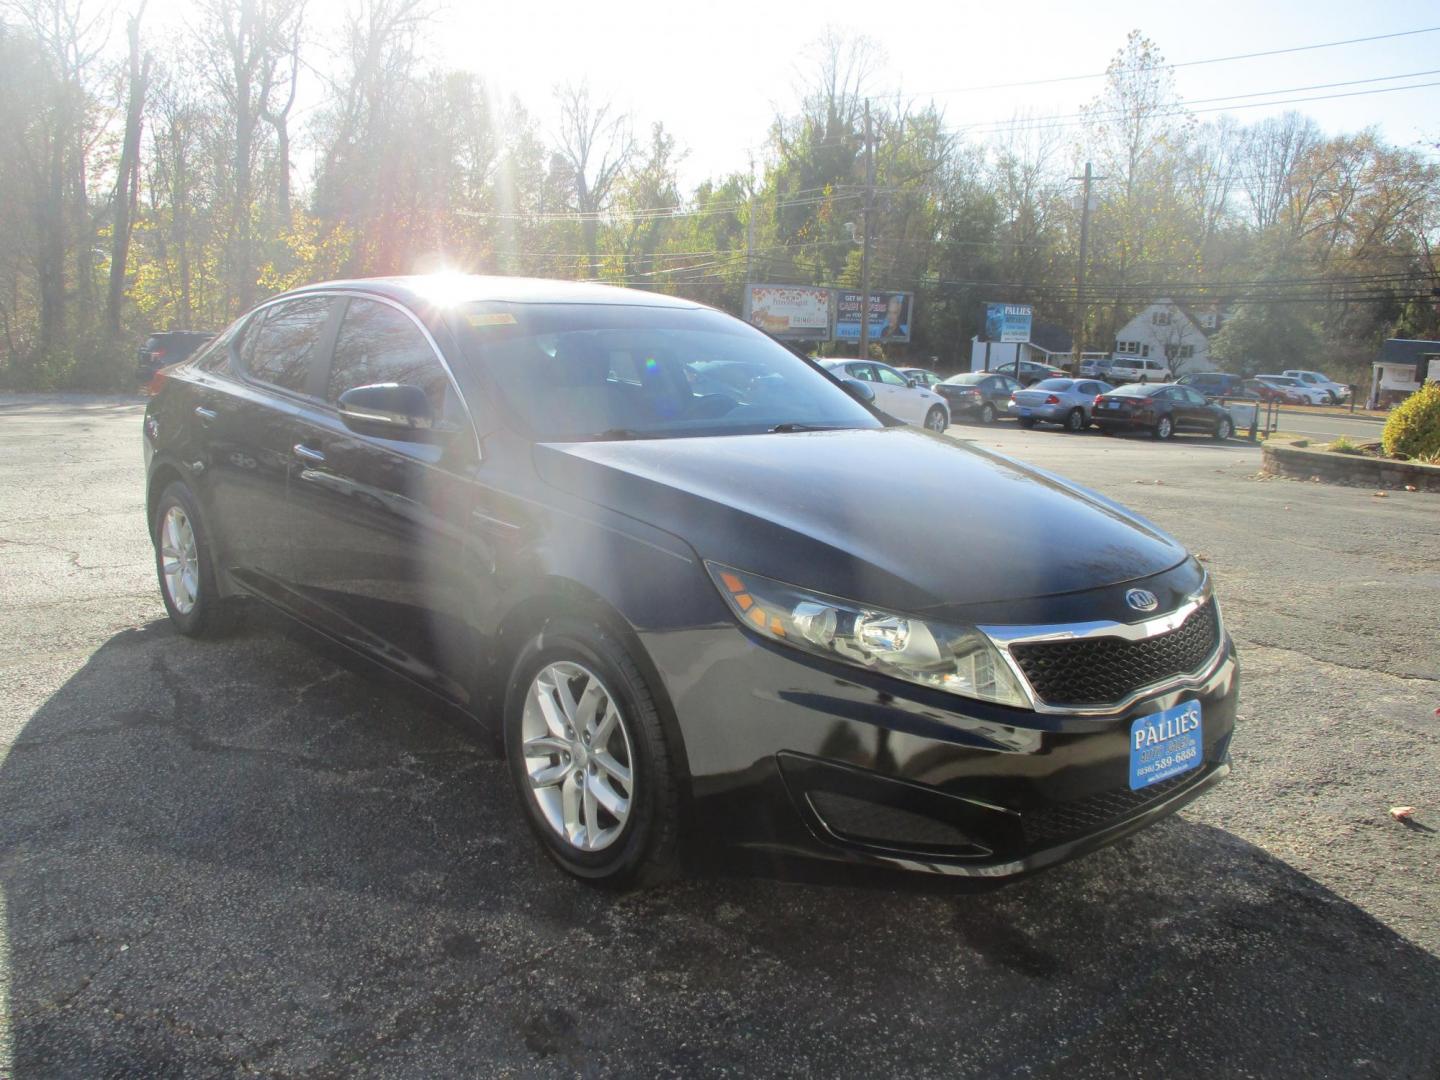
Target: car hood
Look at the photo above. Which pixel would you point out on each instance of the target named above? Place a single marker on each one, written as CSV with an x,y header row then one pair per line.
x,y
893,517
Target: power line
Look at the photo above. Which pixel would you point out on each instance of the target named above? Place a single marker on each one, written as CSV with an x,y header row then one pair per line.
x,y
1181,64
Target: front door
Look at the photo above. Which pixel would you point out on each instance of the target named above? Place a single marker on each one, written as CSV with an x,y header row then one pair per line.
x,y
381,525
902,401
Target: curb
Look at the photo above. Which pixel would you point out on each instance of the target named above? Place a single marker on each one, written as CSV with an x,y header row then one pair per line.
x,y
1281,457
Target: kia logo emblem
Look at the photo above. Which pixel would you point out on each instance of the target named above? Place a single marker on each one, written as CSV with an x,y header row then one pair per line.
x,y
1141,600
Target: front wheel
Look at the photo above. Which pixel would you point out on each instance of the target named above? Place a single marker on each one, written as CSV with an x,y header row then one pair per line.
x,y
1075,421
987,413
1164,428
935,419
589,758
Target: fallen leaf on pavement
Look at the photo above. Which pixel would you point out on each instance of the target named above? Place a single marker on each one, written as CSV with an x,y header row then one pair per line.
x,y
1381,495
1401,813
1409,487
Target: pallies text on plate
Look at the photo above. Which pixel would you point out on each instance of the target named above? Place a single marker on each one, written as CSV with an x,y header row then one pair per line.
x,y
1172,726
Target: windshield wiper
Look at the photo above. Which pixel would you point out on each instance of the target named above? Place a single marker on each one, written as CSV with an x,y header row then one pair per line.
x,y
617,433
795,425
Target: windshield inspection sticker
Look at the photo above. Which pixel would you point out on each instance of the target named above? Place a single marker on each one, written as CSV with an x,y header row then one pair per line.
x,y
492,318
1165,744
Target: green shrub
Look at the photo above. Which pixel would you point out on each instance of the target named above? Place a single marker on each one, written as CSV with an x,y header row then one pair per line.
x,y
1413,428
1344,445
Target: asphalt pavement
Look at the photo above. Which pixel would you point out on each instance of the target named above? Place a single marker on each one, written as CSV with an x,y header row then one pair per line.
x,y
253,857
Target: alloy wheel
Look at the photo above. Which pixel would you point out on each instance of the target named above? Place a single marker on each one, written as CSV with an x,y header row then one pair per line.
x,y
1076,420
935,420
1163,428
987,414
179,560
578,756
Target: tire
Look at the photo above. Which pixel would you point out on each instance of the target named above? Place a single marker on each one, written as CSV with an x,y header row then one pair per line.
x,y
1026,423
1164,428
184,565
1224,429
1331,398
987,413
935,419
1075,421
630,849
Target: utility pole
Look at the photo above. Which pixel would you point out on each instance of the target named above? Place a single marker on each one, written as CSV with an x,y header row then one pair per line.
x,y
750,232
865,241
1081,309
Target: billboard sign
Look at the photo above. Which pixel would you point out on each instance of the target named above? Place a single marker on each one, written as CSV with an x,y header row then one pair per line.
x,y
789,311
890,314
1008,322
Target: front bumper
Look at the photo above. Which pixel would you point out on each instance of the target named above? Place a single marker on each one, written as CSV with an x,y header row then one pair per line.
x,y
794,756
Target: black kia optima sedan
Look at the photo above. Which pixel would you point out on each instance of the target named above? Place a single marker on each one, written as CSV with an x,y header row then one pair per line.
x,y
700,613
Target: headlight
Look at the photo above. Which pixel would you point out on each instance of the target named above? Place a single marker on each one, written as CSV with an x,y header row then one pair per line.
x,y
956,659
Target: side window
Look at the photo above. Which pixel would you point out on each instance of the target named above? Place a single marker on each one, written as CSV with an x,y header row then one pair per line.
x,y
890,376
379,344
215,357
861,371
287,341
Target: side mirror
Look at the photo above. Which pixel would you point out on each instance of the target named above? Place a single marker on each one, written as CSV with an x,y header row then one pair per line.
x,y
912,382
389,411
860,390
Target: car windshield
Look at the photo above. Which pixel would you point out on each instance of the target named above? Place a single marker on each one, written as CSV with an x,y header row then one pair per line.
x,y
611,371
1054,384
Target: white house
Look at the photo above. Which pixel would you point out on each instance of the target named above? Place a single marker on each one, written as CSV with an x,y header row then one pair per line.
x,y
1167,331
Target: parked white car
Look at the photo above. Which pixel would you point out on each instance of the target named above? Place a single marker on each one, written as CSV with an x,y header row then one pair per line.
x,y
1317,380
894,393
1310,395
1133,369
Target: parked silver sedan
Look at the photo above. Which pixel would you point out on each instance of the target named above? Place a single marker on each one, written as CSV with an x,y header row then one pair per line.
x,y
1067,402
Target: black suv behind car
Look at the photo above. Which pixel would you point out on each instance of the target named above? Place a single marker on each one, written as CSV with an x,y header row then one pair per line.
x,y
1215,384
167,347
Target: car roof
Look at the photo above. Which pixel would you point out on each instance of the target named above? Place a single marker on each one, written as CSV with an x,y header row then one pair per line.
x,y
422,290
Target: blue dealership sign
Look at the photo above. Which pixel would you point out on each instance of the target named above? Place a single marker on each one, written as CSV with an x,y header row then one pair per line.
x,y
1008,322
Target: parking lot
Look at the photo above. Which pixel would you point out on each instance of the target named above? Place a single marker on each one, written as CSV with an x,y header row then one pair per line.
x,y
253,857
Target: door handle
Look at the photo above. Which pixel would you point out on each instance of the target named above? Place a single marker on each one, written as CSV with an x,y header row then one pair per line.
x,y
304,453
205,414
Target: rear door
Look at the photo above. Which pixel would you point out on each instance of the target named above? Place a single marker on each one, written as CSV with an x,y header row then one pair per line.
x,y
252,424
380,524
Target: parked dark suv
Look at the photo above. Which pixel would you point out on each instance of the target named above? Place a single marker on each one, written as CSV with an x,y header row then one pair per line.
x,y
167,347
1216,384
754,615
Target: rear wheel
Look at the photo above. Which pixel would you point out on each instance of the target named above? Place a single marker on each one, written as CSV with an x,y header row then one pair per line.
x,y
987,413
1026,422
1164,428
589,757
185,566
1075,421
1224,429
935,419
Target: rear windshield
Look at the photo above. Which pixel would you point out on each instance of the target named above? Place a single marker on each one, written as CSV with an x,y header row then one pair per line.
x,y
1134,389
599,371
968,379
1054,384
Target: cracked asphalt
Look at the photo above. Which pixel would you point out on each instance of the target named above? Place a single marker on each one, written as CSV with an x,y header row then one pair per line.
x,y
257,858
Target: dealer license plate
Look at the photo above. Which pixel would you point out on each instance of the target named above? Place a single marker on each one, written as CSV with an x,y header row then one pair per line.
x,y
1112,404
1165,744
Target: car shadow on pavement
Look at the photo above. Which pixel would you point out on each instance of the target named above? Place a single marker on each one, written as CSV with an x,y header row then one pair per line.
x,y
219,858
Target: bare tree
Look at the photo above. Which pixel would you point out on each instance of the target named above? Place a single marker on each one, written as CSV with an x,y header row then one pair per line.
x,y
275,76
1271,161
596,145
241,41
127,173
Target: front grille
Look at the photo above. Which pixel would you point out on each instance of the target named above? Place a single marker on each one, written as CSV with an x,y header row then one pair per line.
x,y
1105,670
1063,821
